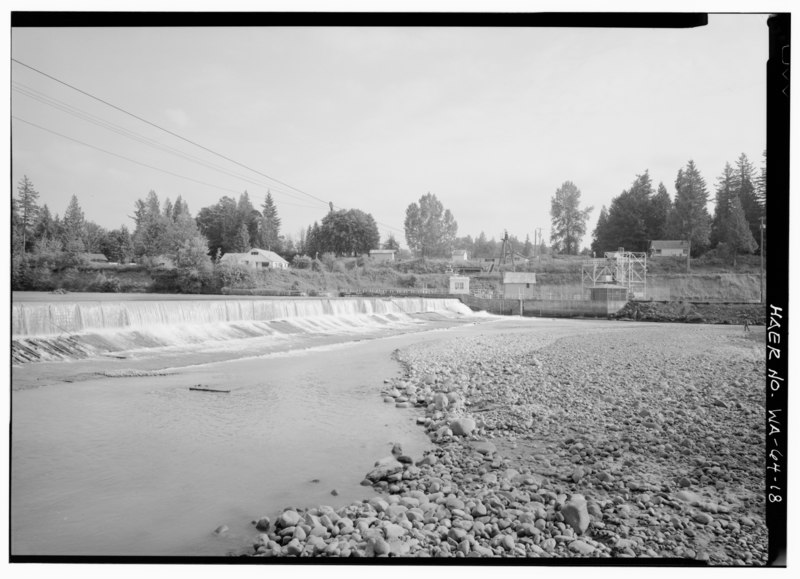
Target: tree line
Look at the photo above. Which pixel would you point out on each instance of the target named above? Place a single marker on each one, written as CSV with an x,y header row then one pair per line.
x,y
642,213
165,228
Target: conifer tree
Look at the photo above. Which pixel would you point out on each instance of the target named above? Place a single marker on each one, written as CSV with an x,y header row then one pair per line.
x,y
27,209
689,219
270,225
724,196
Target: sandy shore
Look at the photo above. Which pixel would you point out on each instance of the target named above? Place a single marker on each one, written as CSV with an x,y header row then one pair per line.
x,y
617,441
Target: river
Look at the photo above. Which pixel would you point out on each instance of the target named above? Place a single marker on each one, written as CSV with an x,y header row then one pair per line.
x,y
106,463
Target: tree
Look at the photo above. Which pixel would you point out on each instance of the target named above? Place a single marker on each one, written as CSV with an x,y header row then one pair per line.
x,y
761,184
738,236
93,236
600,243
391,243
527,249
27,209
74,227
219,224
689,218
745,187
350,232
117,245
658,214
45,232
430,228
568,220
724,195
270,225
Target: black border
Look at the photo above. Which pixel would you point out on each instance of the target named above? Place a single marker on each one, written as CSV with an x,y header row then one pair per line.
x,y
376,19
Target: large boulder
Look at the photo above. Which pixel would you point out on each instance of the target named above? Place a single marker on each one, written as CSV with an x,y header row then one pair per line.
x,y
576,514
462,426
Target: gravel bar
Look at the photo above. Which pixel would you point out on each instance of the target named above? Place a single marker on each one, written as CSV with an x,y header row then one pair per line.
x,y
615,442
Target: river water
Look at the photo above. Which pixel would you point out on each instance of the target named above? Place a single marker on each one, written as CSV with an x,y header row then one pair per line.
x,y
106,465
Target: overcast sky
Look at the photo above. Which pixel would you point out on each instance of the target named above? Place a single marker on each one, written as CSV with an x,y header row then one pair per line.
x,y
491,121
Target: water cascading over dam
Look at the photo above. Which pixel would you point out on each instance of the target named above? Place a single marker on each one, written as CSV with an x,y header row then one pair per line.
x,y
79,329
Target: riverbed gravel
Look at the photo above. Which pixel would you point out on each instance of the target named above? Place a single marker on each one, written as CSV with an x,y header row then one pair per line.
x,y
642,441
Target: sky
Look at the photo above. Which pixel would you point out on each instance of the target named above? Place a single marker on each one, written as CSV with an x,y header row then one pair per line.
x,y
491,121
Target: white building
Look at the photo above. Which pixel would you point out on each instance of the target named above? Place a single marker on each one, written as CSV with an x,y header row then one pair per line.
x,y
459,284
382,254
665,248
257,259
518,285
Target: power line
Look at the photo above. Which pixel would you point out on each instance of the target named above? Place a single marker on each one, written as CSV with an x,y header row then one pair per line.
x,y
139,162
117,129
120,109
141,119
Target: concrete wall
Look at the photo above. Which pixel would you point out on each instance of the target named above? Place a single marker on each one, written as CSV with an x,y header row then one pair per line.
x,y
545,308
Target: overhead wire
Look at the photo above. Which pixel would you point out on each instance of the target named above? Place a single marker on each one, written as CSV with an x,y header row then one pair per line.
x,y
172,133
88,117
106,151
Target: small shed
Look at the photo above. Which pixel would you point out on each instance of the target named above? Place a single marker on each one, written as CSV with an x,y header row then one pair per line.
x,y
518,285
460,256
382,254
257,259
459,284
668,248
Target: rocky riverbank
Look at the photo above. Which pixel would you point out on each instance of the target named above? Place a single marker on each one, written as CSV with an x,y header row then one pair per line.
x,y
694,313
642,441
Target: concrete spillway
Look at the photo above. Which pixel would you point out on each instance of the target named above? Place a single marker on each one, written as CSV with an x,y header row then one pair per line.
x,y
79,329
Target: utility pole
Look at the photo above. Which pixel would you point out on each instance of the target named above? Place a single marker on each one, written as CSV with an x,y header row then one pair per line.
x,y
761,270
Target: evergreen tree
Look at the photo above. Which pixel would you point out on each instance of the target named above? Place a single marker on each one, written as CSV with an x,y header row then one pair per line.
x,y
761,184
45,231
151,237
744,185
527,249
27,209
738,236
689,218
658,214
600,242
567,218
270,225
725,194
74,227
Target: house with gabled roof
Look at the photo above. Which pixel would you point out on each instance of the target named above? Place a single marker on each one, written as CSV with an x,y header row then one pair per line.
x,y
257,259
667,248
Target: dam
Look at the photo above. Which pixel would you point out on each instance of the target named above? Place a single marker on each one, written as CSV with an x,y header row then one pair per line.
x,y
44,327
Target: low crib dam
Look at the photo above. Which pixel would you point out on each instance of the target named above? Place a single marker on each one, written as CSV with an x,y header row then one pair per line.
x,y
67,329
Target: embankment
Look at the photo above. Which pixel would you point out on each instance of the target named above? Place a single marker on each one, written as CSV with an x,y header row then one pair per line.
x,y
80,329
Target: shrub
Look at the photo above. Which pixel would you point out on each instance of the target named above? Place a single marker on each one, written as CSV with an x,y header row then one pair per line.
x,y
101,283
233,276
302,262
407,281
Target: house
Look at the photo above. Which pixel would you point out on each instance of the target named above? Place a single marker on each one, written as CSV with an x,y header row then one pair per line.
x,y
666,248
382,254
518,285
460,255
459,284
257,259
